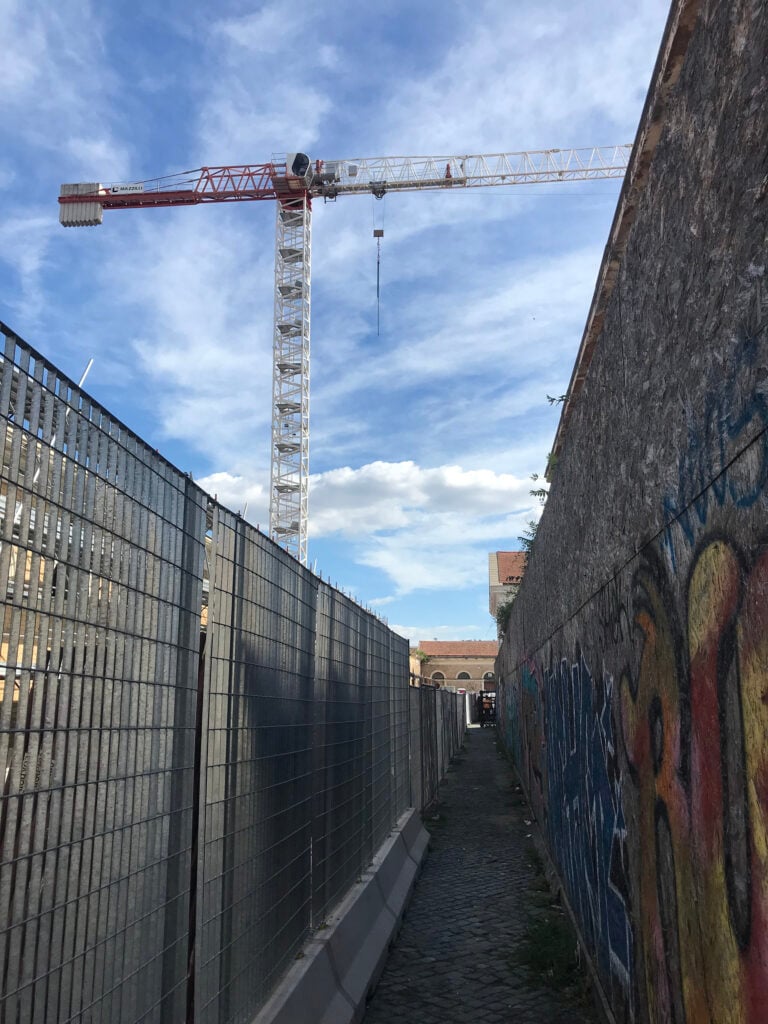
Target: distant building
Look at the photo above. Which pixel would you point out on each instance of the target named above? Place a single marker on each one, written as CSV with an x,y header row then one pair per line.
x,y
416,668
460,664
505,574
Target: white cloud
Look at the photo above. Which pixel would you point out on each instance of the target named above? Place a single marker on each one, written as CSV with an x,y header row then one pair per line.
x,y
442,552
439,632
423,528
25,239
236,128
384,496
56,86
99,154
267,30
527,74
241,495
258,56
204,347
485,355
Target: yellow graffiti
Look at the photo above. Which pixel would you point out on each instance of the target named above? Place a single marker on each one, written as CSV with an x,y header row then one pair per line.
x,y
753,650
674,731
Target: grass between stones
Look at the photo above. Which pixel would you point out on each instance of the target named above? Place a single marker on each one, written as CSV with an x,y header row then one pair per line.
x,y
549,950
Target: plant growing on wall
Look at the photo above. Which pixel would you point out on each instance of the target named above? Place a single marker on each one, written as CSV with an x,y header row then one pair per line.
x,y
504,611
538,492
528,537
421,656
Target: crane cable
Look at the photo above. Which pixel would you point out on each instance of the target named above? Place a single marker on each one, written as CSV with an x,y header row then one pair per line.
x,y
378,234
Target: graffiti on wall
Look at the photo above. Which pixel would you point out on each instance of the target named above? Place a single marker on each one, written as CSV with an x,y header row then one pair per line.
x,y
585,824
532,741
695,722
652,786
644,746
559,726
725,461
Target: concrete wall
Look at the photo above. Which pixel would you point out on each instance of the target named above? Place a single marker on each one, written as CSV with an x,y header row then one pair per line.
x,y
634,674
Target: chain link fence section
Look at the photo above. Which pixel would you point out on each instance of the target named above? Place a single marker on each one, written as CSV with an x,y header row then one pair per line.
x,y
100,568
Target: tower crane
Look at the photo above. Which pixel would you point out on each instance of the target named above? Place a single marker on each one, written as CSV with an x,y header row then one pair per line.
x,y
293,181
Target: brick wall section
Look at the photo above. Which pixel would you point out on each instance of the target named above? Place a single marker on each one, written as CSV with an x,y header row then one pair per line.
x,y
633,693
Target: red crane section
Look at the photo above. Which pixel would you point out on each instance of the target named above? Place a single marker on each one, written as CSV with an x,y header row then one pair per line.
x,y
235,183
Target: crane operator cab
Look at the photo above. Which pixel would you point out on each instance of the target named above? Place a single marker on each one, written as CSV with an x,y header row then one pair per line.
x,y
298,171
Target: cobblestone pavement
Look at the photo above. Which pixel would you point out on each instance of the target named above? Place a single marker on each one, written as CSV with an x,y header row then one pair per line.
x,y
454,960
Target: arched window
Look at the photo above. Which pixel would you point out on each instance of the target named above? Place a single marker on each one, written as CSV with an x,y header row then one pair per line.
x,y
489,677
438,677
463,675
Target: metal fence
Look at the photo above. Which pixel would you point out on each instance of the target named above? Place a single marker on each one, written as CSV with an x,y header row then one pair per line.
x,y
437,729
101,575
201,744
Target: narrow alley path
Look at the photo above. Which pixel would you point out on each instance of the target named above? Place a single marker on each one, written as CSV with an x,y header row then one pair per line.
x,y
480,915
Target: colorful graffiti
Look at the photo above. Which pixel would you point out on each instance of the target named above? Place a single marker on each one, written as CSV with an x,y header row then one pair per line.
x,y
585,823
695,723
559,726
653,789
725,463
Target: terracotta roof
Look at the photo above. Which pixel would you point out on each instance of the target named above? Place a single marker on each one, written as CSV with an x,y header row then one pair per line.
x,y
460,648
511,566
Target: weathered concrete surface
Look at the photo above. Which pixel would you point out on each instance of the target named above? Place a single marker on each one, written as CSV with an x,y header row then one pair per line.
x,y
454,961
633,675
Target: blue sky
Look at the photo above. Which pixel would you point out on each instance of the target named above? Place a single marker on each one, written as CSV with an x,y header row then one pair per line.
x,y
423,437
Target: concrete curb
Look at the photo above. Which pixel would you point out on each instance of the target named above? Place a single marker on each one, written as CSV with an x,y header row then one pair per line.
x,y
341,965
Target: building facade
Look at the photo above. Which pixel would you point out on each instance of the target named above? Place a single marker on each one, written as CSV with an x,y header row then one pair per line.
x,y
460,664
505,574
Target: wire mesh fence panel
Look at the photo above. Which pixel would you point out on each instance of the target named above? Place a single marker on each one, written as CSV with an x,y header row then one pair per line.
x,y
340,828
443,697
415,752
257,760
430,773
400,710
361,719
460,719
381,807
439,734
170,827
447,715
101,549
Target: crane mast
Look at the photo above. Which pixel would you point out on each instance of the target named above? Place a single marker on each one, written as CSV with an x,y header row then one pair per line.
x,y
289,471
293,181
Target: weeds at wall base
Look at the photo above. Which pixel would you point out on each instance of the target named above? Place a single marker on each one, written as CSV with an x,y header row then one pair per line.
x,y
550,953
